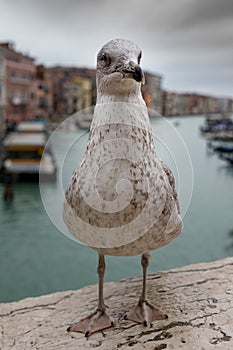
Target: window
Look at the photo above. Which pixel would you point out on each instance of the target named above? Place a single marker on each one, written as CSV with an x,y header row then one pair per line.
x,y
42,103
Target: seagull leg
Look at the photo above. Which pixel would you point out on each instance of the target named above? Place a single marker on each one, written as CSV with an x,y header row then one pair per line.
x,y
145,312
98,320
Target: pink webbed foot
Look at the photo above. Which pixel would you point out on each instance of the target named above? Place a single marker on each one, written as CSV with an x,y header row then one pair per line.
x,y
145,313
95,322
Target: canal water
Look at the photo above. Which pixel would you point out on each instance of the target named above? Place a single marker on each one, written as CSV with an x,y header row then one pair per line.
x,y
36,258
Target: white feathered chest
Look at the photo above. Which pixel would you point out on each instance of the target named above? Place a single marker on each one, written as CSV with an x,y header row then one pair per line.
x,y
120,200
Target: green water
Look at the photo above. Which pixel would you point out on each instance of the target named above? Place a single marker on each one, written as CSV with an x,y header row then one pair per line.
x,y
35,258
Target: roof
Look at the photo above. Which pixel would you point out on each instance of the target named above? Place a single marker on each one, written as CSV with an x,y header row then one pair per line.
x,y
31,126
25,139
9,49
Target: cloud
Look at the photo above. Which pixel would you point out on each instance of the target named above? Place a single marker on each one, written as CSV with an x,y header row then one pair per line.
x,y
178,37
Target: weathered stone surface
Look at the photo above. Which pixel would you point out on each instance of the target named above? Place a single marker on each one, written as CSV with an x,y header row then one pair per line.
x,y
198,300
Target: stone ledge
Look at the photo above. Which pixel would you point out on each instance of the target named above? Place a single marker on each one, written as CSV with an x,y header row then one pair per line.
x,y
197,298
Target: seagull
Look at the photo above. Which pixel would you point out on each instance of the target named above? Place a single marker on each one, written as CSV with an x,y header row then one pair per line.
x,y
121,199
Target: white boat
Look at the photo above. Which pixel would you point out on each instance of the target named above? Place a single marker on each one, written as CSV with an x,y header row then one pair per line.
x,y
24,150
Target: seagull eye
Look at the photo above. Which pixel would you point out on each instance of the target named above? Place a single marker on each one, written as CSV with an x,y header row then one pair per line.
x,y
139,57
106,58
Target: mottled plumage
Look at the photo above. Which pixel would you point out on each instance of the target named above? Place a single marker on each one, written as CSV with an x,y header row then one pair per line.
x,y
121,199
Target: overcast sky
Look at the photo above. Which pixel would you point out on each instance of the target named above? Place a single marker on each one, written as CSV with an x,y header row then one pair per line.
x,y
188,42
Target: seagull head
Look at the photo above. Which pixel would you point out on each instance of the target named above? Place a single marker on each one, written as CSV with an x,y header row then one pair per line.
x,y
118,68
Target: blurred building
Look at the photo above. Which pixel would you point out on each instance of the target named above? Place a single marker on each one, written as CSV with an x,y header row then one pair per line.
x,y
189,104
78,94
152,91
17,74
43,89
174,103
226,105
2,90
73,89
28,91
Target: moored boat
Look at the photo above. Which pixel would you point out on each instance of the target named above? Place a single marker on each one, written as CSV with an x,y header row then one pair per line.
x,y
215,126
223,149
24,156
227,157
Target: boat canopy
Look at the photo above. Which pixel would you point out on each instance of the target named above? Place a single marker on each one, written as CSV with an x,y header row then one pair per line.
x,y
30,139
31,126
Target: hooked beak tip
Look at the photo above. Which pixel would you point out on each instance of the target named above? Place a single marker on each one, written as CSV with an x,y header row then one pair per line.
x,y
138,75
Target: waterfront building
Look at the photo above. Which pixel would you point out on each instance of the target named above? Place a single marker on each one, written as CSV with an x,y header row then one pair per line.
x,y
77,93
28,91
152,91
43,94
175,103
191,103
73,89
17,74
2,91
226,105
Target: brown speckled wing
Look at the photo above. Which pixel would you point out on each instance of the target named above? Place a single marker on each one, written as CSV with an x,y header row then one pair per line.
x,y
171,180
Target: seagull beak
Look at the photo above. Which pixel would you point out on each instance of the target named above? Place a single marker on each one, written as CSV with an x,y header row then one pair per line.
x,y
134,71
138,74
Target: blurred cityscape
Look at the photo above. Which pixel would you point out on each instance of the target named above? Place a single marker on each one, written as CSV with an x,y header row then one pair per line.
x,y
36,260
30,91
